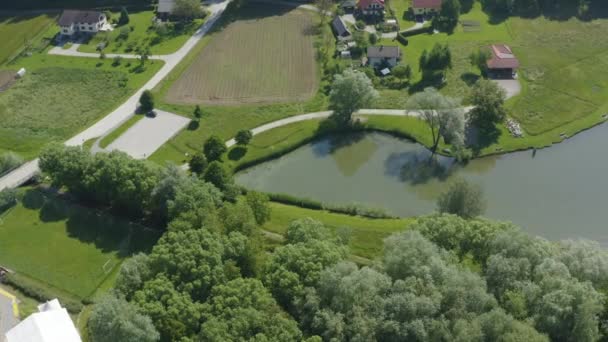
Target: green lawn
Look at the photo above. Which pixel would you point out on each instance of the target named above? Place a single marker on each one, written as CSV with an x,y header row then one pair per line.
x,y
143,34
61,96
367,234
67,246
15,31
108,139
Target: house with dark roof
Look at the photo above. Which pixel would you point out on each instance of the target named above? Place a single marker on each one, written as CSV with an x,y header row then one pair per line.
x,y
383,56
339,28
73,21
502,61
348,6
426,7
371,7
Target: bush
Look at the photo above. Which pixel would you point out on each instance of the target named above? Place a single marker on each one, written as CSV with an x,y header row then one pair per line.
x,y
9,161
402,39
243,137
355,209
462,199
198,163
40,293
213,148
360,24
373,38
306,203
117,61
8,198
415,32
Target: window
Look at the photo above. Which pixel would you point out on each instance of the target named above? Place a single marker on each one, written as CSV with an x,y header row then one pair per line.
x,y
65,30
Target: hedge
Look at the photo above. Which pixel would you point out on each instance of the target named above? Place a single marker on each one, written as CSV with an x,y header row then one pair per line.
x,y
41,293
402,36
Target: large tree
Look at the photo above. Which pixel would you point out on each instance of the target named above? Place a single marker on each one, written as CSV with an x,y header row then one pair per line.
x,y
447,19
213,148
463,199
350,91
488,99
113,319
443,115
146,101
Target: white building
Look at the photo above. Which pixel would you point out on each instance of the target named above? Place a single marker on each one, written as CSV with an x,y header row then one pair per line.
x,y
383,56
73,21
51,323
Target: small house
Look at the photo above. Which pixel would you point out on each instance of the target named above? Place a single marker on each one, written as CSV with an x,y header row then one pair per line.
x,y
383,56
349,6
73,21
51,323
339,28
371,7
20,73
165,9
502,62
426,7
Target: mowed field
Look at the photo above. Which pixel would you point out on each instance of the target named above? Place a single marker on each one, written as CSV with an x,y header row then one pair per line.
x,y
14,31
71,248
265,56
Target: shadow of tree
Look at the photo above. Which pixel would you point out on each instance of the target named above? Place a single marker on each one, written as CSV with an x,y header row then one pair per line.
x,y
429,79
469,78
237,152
479,138
193,125
418,167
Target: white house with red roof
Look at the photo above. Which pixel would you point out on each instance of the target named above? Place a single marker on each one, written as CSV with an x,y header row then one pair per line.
x,y
426,7
502,60
371,7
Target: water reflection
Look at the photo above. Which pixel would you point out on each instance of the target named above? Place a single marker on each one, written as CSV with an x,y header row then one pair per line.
x,y
559,193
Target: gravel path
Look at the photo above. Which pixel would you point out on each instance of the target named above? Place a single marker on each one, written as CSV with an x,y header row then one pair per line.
x,y
122,113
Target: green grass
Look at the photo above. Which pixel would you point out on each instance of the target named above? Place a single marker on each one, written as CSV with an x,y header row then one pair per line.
x,y
66,246
108,139
61,96
143,34
15,31
367,234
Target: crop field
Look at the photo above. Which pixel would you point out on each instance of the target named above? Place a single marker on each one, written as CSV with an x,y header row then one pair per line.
x,y
15,31
265,56
72,248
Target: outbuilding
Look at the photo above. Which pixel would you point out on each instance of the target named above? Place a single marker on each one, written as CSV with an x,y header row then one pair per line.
x,y
502,63
340,29
20,73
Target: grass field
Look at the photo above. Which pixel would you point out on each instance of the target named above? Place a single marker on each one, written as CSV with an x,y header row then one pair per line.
x,y
143,34
15,31
67,246
266,56
367,234
108,139
60,96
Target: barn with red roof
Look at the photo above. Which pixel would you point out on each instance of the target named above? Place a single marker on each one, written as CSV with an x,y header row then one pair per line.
x,y
502,61
371,7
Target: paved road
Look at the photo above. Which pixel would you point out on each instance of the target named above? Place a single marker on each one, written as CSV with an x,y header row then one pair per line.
x,y
149,134
73,51
124,112
8,312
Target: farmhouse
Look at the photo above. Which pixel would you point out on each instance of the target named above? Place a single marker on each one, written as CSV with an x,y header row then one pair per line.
x,y
73,21
165,8
340,29
502,62
50,323
426,7
371,7
383,56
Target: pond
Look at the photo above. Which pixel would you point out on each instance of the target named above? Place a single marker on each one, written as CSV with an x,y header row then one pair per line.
x,y
558,192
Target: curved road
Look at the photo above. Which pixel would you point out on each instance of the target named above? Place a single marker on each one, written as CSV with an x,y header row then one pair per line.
x,y
126,110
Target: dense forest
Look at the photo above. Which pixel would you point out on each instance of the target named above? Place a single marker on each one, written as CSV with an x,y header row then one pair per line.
x,y
445,278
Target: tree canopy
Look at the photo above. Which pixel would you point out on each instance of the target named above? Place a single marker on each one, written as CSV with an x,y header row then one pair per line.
x,y
350,91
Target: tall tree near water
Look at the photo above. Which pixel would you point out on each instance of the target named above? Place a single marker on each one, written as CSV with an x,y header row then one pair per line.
x,y
350,91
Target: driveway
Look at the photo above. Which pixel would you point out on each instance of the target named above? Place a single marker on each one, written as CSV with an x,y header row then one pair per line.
x,y
511,87
124,111
149,134
8,312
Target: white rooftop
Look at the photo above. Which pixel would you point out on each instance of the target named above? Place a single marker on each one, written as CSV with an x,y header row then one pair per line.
x,y
165,6
51,324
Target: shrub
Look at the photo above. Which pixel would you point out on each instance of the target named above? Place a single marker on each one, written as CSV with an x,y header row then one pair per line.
x,y
360,24
198,163
146,101
8,198
373,38
415,32
9,161
117,61
243,137
214,148
462,199
40,293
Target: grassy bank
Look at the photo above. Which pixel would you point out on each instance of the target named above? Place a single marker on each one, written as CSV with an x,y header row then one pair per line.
x,y
18,31
108,139
366,234
57,244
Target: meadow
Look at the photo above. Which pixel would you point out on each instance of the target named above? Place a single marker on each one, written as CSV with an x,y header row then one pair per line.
x,y
66,246
17,30
266,56
60,96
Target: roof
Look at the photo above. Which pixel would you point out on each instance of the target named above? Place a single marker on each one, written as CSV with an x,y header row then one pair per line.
x,y
367,3
69,17
436,4
339,27
165,6
502,58
383,52
51,324
349,3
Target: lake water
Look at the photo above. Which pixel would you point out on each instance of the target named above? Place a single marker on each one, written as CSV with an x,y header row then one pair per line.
x,y
561,192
